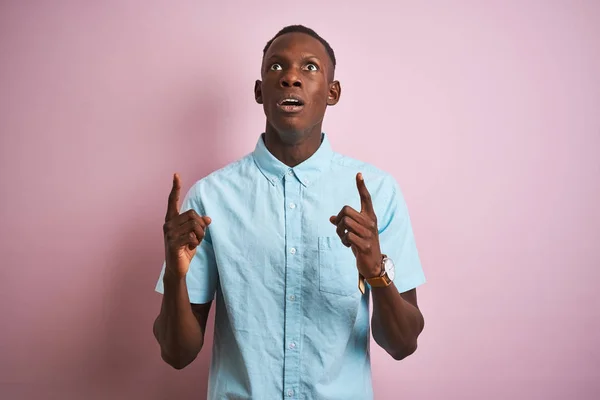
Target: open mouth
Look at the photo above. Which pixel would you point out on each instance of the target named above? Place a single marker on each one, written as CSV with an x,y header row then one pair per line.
x,y
291,104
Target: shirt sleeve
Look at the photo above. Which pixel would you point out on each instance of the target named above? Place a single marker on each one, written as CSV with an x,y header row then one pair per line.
x,y
201,278
397,241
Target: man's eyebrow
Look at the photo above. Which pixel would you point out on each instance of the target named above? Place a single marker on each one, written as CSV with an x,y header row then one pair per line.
x,y
311,57
304,56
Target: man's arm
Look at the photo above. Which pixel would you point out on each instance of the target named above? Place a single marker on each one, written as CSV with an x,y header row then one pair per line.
x,y
180,326
397,321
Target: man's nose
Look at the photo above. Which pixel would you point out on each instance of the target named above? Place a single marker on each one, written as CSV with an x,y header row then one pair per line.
x,y
289,79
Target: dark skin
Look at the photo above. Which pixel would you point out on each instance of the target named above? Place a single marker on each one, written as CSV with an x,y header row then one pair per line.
x,y
397,320
180,325
296,65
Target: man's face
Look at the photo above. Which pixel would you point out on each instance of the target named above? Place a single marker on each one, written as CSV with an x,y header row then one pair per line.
x,y
296,85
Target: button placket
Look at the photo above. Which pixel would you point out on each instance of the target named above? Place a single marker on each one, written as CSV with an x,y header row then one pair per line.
x,y
293,283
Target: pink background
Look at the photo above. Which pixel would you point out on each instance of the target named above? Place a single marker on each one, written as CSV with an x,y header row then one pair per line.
x,y
488,113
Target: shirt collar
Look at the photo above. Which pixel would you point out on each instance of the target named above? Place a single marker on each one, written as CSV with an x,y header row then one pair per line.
x,y
307,172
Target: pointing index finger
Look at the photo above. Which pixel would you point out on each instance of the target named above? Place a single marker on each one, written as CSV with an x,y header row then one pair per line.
x,y
173,204
366,205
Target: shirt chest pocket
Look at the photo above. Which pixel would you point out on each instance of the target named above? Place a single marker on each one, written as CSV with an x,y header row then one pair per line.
x,y
337,267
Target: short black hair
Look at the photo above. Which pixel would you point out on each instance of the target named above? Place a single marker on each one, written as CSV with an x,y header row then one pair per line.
x,y
308,31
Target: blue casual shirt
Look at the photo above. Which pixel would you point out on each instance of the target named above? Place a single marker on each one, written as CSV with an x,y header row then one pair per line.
x,y
290,321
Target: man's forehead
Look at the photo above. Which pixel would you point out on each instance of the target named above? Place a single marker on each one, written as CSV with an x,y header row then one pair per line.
x,y
297,42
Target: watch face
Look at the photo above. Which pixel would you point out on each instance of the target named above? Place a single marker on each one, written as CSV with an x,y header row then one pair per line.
x,y
390,268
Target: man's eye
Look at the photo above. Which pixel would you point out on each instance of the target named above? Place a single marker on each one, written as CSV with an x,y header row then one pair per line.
x,y
312,67
276,67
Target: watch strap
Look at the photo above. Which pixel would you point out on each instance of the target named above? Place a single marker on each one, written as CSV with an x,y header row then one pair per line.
x,y
382,280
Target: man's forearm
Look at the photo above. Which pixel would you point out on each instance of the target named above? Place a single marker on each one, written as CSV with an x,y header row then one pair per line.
x,y
396,323
176,328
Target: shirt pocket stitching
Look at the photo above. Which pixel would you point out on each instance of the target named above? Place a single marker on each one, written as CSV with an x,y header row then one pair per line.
x,y
335,276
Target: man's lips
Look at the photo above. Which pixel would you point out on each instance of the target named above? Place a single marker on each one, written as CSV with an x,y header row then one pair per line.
x,y
290,99
290,104
290,108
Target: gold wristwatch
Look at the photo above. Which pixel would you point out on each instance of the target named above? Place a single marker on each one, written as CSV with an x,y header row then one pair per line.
x,y
384,279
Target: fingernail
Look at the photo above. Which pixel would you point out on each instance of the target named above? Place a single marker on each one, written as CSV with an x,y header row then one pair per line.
x,y
360,176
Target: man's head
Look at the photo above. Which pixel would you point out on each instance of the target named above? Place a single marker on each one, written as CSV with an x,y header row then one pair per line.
x,y
297,83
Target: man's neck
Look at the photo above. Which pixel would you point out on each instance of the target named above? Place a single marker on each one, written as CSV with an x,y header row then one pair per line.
x,y
296,153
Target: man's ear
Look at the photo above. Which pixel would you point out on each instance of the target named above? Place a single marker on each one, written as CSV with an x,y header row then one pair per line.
x,y
335,91
258,92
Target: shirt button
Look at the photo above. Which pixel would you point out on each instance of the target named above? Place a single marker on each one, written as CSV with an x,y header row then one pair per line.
x,y
292,205
293,250
292,298
290,392
290,172
292,345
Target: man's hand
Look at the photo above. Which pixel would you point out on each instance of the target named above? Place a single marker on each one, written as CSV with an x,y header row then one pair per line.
x,y
358,230
182,232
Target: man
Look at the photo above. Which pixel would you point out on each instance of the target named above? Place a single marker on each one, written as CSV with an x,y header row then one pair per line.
x,y
293,245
